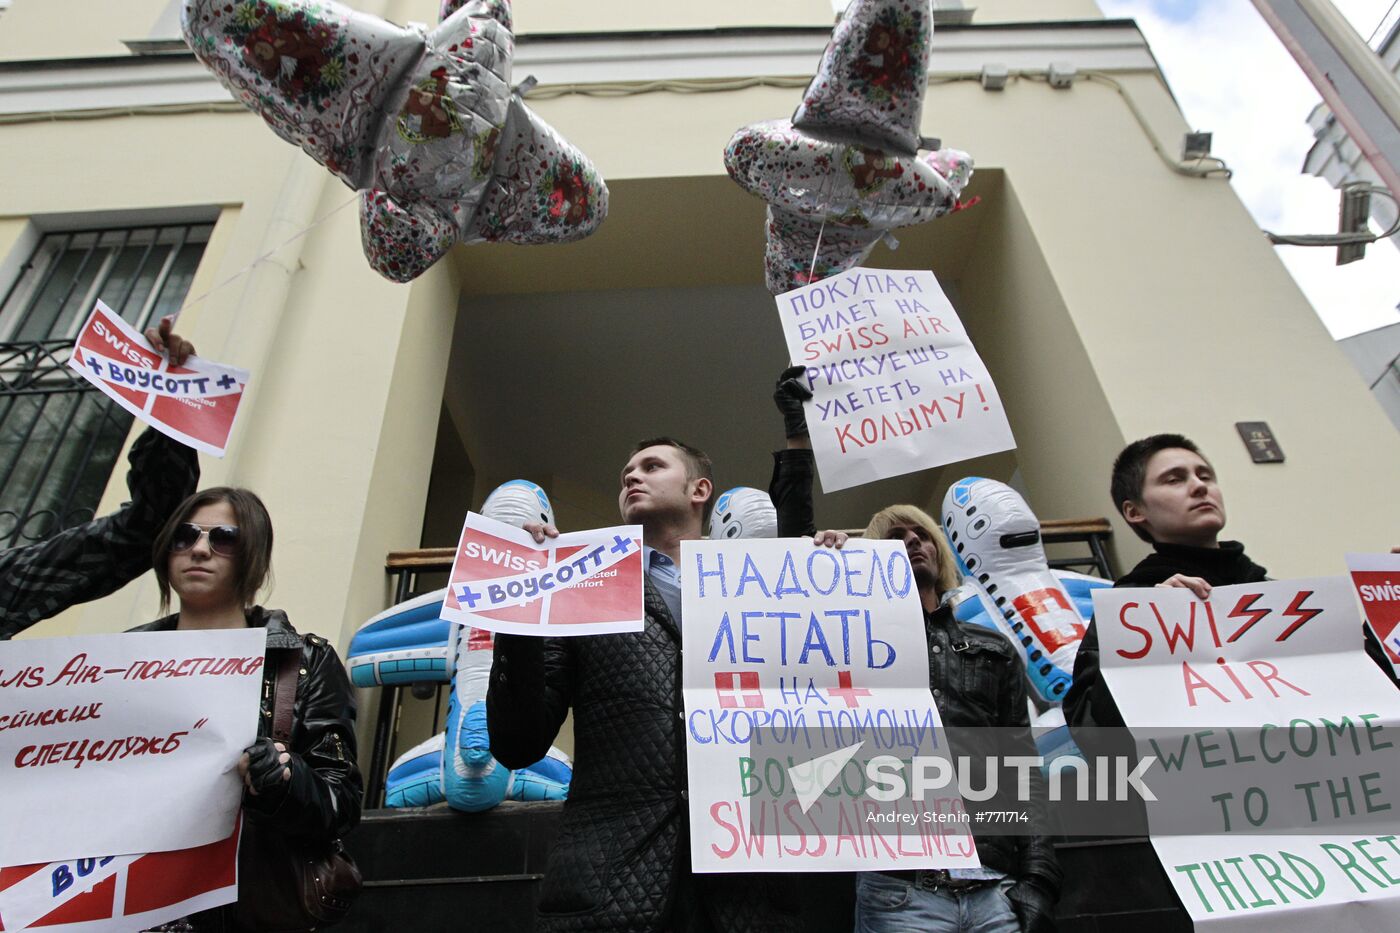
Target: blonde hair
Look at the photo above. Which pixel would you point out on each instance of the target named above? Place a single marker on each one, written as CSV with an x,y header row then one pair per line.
x,y
882,521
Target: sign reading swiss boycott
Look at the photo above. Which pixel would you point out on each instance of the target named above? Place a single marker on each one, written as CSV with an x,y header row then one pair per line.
x,y
1276,737
897,385
120,744
580,583
119,893
806,683
195,404
1377,581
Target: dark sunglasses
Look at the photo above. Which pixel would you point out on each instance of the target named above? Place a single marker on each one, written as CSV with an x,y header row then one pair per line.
x,y
223,539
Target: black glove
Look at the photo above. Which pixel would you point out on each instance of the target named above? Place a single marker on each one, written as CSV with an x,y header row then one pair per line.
x,y
1034,907
789,396
265,770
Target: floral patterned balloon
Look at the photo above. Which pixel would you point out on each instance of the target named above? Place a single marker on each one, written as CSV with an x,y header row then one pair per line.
x,y
426,125
846,170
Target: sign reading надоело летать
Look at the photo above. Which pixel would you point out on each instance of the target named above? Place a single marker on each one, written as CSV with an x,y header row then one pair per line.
x,y
806,683
897,385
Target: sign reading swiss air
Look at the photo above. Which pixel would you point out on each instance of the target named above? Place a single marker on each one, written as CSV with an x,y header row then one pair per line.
x,y
580,583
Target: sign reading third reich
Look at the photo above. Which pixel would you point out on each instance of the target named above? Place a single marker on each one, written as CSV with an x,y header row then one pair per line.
x,y
1273,739
897,385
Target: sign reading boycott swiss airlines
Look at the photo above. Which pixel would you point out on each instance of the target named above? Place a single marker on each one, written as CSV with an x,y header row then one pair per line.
x,y
119,893
1377,581
896,384
1274,738
119,744
196,403
806,683
580,583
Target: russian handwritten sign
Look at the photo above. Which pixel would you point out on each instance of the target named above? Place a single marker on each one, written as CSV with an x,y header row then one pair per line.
x,y
897,385
803,668
121,744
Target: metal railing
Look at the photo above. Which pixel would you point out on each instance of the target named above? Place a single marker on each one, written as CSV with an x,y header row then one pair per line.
x,y
404,567
59,438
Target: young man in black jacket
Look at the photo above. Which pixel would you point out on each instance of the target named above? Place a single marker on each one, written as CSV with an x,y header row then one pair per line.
x,y
1170,496
622,858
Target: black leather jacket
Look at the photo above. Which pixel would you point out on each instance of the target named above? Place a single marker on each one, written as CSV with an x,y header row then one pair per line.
x,y
977,683
324,798
621,861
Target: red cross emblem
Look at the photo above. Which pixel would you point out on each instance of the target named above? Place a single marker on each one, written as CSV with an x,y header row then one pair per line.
x,y
845,691
738,689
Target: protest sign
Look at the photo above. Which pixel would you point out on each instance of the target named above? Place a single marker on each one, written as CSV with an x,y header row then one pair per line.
x,y
1377,581
896,384
580,583
119,893
120,744
196,403
806,669
1272,738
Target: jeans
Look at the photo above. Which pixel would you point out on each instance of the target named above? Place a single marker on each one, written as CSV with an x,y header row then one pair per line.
x,y
888,905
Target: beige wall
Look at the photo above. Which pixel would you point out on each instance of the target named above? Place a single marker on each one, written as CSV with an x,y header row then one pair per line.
x,y
37,29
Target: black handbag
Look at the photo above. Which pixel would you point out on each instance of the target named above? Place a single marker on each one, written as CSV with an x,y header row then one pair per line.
x,y
287,885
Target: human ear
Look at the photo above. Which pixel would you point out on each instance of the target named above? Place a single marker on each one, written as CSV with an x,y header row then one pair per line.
x,y
1133,513
703,489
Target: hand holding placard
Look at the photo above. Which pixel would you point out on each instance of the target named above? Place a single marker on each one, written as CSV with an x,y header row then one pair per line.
x,y
195,403
529,582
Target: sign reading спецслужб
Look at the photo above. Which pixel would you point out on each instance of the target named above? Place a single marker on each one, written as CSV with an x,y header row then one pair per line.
x,y
121,744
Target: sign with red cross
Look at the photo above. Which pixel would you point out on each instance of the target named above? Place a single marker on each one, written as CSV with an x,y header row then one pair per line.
x,y
738,690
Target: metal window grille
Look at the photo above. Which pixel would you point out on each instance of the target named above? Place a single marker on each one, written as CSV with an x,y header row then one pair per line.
x,y
59,436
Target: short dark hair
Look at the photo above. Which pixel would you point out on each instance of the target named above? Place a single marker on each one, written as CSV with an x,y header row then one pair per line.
x,y
1130,469
253,555
697,466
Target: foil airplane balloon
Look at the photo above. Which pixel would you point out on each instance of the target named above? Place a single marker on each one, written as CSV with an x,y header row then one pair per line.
x,y
424,124
846,170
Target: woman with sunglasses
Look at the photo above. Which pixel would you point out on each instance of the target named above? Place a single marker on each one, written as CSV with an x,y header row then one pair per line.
x,y
215,554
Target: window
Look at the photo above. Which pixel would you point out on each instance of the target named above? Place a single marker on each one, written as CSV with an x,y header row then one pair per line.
x,y
59,436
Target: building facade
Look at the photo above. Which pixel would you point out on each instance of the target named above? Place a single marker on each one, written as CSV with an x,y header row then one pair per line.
x,y
1111,294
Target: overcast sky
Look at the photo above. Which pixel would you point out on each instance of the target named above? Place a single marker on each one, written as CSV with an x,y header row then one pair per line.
x,y
1232,77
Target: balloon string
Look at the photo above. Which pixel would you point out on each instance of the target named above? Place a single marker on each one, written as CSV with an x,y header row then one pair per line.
x,y
264,257
813,270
